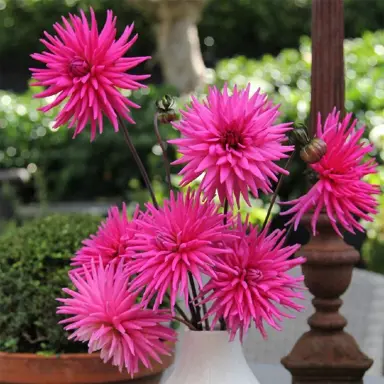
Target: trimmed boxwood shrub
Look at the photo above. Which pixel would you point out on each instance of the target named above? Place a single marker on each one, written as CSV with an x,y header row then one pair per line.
x,y
34,263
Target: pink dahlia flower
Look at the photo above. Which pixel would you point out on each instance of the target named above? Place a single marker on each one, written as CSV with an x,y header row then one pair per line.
x,y
86,70
175,241
340,190
104,314
251,283
109,243
232,140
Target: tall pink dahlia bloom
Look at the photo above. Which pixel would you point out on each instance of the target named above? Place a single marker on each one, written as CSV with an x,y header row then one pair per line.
x,y
340,190
179,239
109,243
85,69
252,283
104,314
232,140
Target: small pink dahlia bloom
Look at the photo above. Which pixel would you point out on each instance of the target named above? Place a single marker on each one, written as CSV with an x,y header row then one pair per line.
x,y
251,283
86,69
233,140
104,314
340,190
109,243
181,238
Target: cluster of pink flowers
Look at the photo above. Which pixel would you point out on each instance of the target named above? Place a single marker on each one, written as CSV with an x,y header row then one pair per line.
x,y
124,272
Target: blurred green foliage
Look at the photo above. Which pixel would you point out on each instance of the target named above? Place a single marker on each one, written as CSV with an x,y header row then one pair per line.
x,y
34,261
286,78
373,248
77,169
227,27
253,28
22,23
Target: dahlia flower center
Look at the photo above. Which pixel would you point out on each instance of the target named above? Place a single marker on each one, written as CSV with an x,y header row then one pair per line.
x,y
166,242
78,67
247,275
120,250
255,274
231,138
330,174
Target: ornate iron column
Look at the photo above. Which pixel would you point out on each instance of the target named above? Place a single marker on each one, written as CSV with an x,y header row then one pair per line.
x,y
326,354
327,74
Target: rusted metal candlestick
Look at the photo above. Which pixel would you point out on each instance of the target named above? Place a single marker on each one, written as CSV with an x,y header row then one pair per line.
x,y
326,354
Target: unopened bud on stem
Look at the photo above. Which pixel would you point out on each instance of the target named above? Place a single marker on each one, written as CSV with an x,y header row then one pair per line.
x,y
165,111
299,136
313,151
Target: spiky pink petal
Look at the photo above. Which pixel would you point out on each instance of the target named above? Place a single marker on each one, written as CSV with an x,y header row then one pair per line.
x,y
85,70
233,140
105,315
251,283
109,243
183,237
340,191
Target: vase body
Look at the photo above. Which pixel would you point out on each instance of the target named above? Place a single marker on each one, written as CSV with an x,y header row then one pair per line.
x,y
326,354
208,357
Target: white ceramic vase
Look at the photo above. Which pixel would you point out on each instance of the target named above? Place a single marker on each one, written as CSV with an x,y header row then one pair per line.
x,y
207,357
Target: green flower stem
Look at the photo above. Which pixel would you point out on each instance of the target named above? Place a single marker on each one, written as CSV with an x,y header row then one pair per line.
x,y
164,151
147,181
277,190
193,302
223,326
187,323
139,163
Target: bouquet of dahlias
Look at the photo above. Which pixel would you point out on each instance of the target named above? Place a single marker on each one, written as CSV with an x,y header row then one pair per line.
x,y
125,272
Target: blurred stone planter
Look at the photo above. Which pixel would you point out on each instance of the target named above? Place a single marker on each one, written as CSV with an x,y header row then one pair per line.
x,y
76,368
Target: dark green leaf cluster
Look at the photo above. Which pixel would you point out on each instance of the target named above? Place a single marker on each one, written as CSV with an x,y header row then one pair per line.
x,y
34,261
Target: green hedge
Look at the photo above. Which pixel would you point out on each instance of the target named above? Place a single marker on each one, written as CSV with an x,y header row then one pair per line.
x,y
34,261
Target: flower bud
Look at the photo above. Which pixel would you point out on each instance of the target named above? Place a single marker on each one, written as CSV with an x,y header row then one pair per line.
x,y
299,136
165,103
164,109
314,151
167,117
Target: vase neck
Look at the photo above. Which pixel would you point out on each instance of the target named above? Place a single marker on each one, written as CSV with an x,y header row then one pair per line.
x,y
209,344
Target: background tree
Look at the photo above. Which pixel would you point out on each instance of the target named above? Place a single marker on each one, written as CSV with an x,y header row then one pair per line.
x,y
177,40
